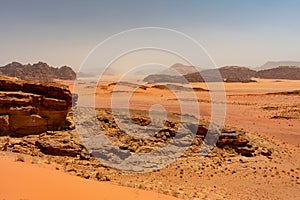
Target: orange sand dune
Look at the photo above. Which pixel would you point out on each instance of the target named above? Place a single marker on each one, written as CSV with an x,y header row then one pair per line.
x,y
26,181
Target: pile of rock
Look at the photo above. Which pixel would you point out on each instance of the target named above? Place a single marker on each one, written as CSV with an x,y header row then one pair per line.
x,y
232,140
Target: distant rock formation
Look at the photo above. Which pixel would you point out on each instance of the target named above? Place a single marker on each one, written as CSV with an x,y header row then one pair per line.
x,y
282,72
39,71
228,74
28,107
236,74
274,64
180,69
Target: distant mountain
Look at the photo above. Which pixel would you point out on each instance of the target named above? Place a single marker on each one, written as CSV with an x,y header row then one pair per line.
x,y
39,71
182,69
282,72
274,64
228,74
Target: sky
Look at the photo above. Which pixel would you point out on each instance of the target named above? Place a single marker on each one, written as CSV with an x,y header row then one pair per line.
x,y
232,32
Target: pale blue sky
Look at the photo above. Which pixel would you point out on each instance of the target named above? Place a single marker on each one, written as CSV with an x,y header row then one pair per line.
x,y
240,32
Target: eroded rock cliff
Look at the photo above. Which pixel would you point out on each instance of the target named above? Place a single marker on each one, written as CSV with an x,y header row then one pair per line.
x,y
28,107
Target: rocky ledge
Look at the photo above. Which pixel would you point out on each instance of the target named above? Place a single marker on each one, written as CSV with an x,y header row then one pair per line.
x,y
28,107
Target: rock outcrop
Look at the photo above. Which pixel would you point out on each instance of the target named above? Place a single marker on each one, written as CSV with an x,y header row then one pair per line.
x,y
229,139
28,107
39,71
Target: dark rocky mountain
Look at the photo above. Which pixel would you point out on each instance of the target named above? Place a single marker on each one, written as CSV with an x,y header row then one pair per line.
x,y
236,74
39,71
282,72
228,74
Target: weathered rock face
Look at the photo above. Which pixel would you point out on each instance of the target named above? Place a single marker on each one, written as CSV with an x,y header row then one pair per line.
x,y
31,107
39,71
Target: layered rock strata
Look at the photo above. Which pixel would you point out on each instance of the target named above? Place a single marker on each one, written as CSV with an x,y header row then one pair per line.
x,y
28,107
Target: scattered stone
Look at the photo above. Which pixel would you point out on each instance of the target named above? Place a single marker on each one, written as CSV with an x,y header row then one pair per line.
x,y
20,158
266,152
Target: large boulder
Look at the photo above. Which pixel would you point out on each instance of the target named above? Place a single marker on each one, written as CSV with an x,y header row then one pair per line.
x,y
28,107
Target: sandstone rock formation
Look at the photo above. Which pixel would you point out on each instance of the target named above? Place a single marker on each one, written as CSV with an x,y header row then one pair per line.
x,y
28,107
39,71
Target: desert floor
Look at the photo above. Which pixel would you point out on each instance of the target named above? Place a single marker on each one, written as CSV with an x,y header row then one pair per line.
x,y
248,105
271,121
27,181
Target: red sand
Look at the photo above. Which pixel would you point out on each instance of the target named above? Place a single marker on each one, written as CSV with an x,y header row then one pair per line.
x,y
27,181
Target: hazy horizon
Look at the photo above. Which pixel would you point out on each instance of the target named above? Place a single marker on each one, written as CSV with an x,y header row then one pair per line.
x,y
244,33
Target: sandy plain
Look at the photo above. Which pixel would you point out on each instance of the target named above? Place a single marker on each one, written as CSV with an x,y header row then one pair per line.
x,y
249,106
271,121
